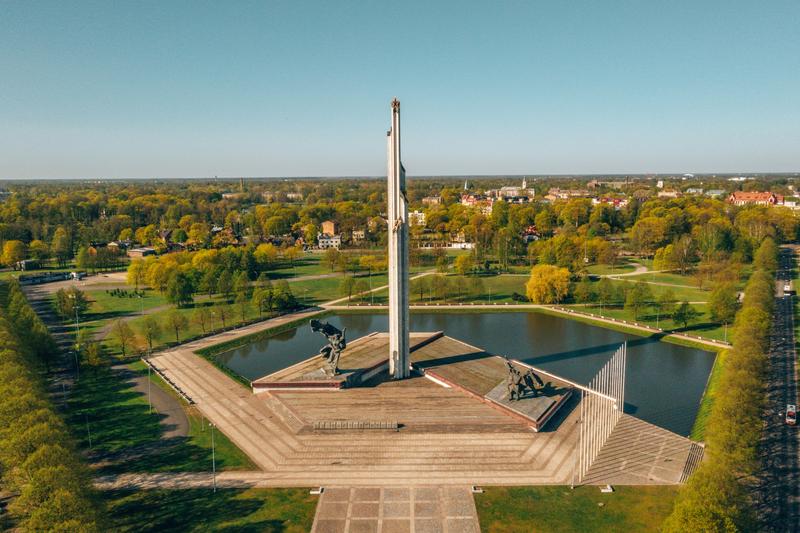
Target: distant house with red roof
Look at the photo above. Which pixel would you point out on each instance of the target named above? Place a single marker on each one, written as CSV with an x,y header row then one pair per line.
x,y
755,198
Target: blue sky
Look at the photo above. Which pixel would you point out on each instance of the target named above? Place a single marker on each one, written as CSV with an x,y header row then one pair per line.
x,y
274,88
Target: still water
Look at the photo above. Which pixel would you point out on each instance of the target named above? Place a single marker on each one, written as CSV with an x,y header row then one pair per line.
x,y
664,382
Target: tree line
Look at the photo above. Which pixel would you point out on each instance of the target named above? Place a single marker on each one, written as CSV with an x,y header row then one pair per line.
x,y
718,496
50,485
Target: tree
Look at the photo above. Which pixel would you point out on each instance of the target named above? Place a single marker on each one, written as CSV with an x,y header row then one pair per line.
x,y
241,285
637,298
347,286
137,272
685,314
361,289
95,353
208,283
61,245
547,284
177,322
222,310
284,299
39,250
665,303
242,302
71,303
605,292
201,317
331,258
584,292
123,333
225,284
464,264
180,290
151,329
84,260
442,264
723,303
13,252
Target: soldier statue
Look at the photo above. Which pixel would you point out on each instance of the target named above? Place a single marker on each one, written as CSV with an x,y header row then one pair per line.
x,y
331,351
518,385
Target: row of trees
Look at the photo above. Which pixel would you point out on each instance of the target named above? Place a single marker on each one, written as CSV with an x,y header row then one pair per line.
x,y
51,488
718,495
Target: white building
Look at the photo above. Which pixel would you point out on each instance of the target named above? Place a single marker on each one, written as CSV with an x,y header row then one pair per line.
x,y
326,241
416,218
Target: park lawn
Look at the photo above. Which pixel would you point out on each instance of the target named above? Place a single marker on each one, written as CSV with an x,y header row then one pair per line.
x,y
193,330
496,289
665,277
305,265
108,306
702,326
602,270
196,510
125,437
709,395
560,509
686,293
199,435
326,289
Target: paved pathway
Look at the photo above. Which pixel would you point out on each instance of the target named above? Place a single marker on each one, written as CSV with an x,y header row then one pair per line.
x,y
396,510
175,421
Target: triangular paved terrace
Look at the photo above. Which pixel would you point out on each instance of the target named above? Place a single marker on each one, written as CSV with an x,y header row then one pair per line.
x,y
446,436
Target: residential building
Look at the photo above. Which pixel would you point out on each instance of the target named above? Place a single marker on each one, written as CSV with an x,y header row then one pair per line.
x,y
359,235
755,198
330,227
694,190
432,200
416,218
715,192
325,241
141,252
669,194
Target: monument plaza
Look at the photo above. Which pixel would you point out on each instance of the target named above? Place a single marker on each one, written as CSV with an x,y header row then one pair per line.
x,y
399,426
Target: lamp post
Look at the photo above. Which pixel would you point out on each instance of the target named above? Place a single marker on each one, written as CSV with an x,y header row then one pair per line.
x,y
213,459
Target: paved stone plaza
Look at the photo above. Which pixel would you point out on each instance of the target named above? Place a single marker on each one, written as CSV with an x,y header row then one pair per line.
x,y
396,510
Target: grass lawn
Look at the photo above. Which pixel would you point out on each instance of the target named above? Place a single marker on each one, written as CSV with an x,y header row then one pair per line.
x,y
665,277
699,429
306,265
602,270
685,293
126,438
496,289
702,327
559,509
317,291
266,510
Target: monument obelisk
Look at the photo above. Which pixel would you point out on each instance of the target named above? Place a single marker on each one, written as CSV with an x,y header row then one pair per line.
x,y
399,359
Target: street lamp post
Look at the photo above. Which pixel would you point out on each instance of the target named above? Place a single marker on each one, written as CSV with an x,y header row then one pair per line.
x,y
213,459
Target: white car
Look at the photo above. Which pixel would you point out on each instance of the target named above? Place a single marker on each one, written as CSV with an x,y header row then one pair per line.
x,y
791,414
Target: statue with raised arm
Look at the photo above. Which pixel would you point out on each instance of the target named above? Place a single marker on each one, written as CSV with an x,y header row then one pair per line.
x,y
331,351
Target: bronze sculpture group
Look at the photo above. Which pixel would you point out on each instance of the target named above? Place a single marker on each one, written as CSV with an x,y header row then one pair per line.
x,y
331,351
519,385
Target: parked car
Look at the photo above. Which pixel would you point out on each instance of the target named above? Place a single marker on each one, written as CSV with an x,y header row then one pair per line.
x,y
791,414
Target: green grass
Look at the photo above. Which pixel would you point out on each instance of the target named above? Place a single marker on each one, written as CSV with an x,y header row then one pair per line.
x,y
707,403
559,509
317,291
702,327
683,293
602,270
196,510
127,438
496,289
665,277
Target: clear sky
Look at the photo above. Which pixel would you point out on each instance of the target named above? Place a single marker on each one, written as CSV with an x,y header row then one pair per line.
x,y
295,88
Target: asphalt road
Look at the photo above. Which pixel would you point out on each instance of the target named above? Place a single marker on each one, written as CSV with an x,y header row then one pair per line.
x,y
780,484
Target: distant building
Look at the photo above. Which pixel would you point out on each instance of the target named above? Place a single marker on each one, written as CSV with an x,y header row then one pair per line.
x,y
755,198
141,252
512,191
694,190
27,264
294,196
416,218
232,195
715,192
617,203
326,241
660,184
330,227
530,234
432,200
359,235
669,194
555,193
479,201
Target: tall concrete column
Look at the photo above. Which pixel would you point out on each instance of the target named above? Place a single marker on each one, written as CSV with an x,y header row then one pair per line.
x,y
399,359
